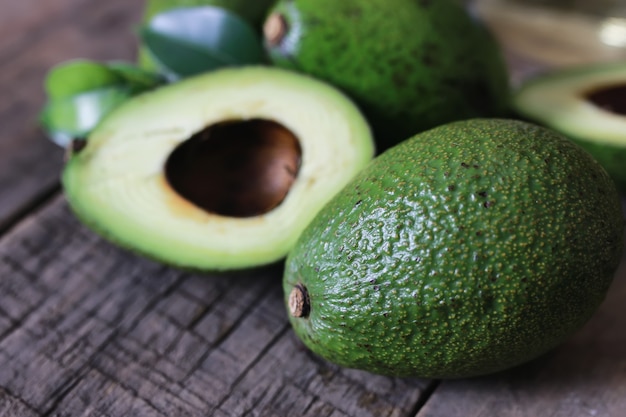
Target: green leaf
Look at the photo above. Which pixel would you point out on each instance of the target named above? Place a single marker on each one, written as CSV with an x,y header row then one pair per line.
x,y
136,78
77,76
191,40
82,92
74,117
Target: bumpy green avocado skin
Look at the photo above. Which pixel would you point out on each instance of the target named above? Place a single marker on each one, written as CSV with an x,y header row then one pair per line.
x,y
611,157
410,64
468,249
254,12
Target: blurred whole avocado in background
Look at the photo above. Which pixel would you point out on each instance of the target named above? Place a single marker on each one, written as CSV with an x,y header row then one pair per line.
x,y
409,64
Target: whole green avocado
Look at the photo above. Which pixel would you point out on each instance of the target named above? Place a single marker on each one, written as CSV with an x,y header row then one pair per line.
x,y
409,64
468,249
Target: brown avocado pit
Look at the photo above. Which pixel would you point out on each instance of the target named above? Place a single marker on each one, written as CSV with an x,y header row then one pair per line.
x,y
236,168
611,98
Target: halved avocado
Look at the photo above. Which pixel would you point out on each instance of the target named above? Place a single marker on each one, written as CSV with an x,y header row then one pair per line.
x,y
588,105
221,171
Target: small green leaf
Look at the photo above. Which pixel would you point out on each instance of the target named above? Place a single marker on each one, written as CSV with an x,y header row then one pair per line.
x,y
74,117
138,79
78,76
190,40
82,92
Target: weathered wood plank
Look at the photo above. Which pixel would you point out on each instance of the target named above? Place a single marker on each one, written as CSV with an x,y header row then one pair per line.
x,y
88,326
586,376
24,17
29,163
22,21
88,329
12,406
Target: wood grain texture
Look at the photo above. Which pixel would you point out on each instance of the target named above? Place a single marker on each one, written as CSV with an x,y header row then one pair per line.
x,y
33,38
89,329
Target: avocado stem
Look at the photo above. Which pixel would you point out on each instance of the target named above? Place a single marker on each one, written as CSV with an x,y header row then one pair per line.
x,y
299,303
275,28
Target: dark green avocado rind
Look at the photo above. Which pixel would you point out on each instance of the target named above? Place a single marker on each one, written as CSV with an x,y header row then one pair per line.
x,y
611,157
452,255
410,65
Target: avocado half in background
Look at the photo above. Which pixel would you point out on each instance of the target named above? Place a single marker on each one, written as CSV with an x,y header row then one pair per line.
x,y
218,172
409,65
588,105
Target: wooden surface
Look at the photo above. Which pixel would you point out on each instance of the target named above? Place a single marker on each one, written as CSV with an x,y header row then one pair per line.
x,y
87,329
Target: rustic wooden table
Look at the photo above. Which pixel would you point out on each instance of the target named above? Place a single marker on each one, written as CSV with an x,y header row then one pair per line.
x,y
89,329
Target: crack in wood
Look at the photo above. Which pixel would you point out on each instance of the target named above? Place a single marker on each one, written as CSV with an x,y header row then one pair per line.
x,y
38,201
252,364
427,393
11,404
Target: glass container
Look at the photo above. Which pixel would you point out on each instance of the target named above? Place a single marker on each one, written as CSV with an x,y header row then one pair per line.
x,y
557,33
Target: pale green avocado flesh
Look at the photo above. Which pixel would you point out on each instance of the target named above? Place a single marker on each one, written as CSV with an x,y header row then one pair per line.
x,y
465,250
588,105
221,171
